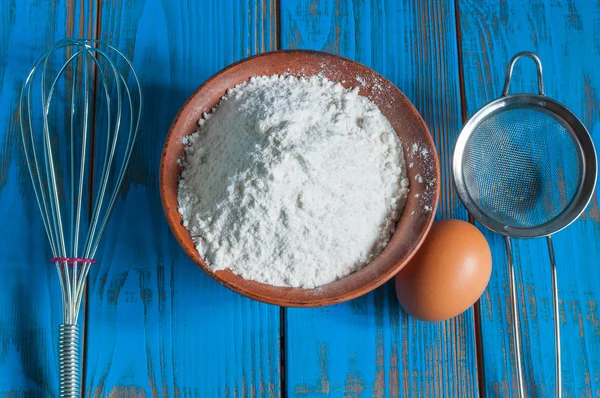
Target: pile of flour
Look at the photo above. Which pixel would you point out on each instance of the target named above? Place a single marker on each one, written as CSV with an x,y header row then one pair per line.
x,y
292,181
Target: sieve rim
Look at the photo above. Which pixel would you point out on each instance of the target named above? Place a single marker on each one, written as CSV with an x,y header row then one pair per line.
x,y
581,138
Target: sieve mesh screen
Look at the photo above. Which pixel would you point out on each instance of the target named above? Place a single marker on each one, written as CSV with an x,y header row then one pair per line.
x,y
522,166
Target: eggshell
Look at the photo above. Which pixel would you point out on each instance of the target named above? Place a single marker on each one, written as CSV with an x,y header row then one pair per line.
x,y
448,274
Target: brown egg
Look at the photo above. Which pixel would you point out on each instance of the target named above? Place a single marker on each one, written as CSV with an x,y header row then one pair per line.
x,y
448,274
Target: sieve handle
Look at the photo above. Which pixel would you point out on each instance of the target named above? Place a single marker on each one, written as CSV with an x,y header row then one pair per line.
x,y
558,393
511,65
516,330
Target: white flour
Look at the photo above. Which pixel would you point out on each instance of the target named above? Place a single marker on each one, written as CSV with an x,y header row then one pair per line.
x,y
292,181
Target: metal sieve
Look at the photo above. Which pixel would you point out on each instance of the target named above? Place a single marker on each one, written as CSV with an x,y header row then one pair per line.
x,y
525,167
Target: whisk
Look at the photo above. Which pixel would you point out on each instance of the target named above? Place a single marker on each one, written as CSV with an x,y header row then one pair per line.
x,y
80,111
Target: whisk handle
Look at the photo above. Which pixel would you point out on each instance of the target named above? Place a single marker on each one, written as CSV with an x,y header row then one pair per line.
x,y
68,361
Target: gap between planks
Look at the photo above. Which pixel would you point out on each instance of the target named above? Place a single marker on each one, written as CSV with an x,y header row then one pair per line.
x,y
94,25
463,111
282,310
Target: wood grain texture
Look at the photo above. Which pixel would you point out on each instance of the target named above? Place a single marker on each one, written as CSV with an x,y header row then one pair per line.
x,y
30,301
565,35
157,325
369,347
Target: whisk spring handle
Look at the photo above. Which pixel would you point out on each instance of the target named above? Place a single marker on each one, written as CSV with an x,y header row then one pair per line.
x,y
68,359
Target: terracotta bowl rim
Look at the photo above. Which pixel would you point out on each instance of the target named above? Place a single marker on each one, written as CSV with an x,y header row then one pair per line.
x,y
357,291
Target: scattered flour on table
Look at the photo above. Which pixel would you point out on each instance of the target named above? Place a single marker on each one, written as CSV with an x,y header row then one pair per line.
x,y
292,181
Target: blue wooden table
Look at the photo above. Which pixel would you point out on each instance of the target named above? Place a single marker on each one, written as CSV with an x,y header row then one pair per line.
x,y
157,326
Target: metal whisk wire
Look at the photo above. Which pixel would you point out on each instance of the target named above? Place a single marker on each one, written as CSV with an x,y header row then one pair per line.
x,y
77,192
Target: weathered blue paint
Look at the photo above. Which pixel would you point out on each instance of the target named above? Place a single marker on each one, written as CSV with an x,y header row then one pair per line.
x,y
157,325
565,36
369,347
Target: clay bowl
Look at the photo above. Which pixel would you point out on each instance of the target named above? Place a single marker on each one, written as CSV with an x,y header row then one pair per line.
x,y
419,150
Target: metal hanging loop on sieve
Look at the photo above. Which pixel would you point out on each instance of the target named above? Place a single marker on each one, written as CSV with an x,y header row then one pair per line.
x,y
511,66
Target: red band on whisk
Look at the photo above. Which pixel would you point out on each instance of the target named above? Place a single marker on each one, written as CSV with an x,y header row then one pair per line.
x,y
71,260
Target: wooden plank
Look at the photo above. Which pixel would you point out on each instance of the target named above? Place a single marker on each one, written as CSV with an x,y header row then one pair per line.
x,y
369,347
564,34
30,301
157,325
